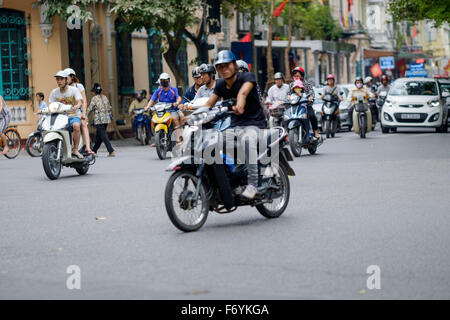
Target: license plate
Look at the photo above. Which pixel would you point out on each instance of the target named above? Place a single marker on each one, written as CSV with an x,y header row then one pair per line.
x,y
410,116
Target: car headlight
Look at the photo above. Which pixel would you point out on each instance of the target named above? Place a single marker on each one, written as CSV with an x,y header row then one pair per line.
x,y
388,103
433,103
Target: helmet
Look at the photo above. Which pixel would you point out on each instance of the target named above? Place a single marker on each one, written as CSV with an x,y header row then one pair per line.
x,y
358,79
330,76
242,65
70,71
97,88
384,77
164,76
299,69
207,68
195,73
61,73
224,56
367,79
298,84
278,75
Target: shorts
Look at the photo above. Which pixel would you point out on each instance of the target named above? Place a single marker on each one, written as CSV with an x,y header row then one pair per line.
x,y
72,120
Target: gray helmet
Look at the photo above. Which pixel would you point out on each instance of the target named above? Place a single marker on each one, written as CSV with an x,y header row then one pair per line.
x,y
224,56
207,68
195,73
242,65
367,79
278,75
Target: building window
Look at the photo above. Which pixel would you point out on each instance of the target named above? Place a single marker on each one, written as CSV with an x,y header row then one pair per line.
x,y
155,66
13,56
76,53
124,59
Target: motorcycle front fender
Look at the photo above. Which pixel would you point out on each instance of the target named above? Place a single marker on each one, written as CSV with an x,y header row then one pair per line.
x,y
51,136
293,124
161,126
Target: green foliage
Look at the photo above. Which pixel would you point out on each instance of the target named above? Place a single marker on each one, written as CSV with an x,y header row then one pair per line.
x,y
416,10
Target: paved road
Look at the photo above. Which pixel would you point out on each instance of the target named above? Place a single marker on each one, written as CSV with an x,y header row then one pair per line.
x,y
382,201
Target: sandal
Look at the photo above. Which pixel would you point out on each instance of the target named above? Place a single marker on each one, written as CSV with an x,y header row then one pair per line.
x,y
92,152
77,155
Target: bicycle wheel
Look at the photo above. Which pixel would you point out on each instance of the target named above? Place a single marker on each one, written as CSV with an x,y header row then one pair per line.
x,y
14,143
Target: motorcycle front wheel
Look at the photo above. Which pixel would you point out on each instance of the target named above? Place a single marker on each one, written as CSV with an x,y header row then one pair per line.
x,y
294,141
278,205
362,127
52,165
185,212
141,135
34,145
161,148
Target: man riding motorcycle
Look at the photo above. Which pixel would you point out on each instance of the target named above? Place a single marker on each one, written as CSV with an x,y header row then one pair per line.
x,y
168,94
279,91
356,92
385,86
299,73
139,103
331,88
248,113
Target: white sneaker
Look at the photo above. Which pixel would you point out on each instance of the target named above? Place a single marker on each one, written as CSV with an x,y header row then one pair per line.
x,y
250,192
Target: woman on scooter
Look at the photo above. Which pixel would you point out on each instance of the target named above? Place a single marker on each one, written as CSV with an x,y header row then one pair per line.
x,y
356,92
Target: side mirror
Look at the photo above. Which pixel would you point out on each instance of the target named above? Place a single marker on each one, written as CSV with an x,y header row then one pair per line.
x,y
445,94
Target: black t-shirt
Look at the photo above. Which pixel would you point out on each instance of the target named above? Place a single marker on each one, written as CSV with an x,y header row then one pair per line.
x,y
253,112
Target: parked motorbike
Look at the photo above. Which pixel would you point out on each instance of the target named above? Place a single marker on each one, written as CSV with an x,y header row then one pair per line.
x,y
361,108
57,139
142,124
276,111
163,128
299,127
330,115
197,186
35,144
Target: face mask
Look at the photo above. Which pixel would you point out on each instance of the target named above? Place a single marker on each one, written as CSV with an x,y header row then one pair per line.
x,y
359,85
165,84
139,99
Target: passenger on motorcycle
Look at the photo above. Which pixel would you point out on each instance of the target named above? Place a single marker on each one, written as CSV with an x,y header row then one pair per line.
x,y
192,91
242,66
168,94
248,114
139,103
208,74
368,81
299,73
69,95
74,82
359,90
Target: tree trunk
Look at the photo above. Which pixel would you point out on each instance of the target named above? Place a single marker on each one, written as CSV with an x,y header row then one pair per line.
x,y
287,66
270,80
252,35
171,58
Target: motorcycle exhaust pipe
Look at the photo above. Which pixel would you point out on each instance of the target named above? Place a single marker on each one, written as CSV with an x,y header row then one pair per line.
x,y
58,155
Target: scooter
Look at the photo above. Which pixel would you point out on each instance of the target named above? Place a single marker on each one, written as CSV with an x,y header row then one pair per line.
x,y
330,115
198,186
163,128
276,111
57,139
361,108
299,127
142,124
35,144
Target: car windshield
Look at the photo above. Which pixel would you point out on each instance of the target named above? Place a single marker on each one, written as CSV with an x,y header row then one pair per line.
x,y
414,88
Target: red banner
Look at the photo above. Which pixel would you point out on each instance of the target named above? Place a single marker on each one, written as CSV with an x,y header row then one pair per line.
x,y
376,70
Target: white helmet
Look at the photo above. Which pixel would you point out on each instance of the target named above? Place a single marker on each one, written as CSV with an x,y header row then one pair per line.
x,y
164,76
61,73
367,79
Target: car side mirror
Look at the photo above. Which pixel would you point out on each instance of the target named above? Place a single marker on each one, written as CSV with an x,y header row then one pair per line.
x,y
445,94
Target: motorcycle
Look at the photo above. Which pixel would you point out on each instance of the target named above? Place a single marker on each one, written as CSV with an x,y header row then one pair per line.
x,y
35,144
198,186
276,111
330,115
142,124
57,139
361,108
299,127
163,128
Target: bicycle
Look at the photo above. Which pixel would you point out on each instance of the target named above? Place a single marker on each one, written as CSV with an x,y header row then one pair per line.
x,y
13,141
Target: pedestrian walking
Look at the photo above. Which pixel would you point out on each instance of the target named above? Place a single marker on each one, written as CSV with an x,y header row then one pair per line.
x,y
102,117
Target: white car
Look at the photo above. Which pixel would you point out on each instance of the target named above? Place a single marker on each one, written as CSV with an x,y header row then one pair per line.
x,y
414,102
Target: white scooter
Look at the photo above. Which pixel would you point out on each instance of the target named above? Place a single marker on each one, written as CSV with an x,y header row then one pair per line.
x,y
57,139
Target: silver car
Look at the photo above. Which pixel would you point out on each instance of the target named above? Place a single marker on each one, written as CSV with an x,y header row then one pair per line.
x,y
415,102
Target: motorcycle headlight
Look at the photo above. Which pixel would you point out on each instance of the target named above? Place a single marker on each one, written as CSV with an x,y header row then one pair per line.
x,y
285,117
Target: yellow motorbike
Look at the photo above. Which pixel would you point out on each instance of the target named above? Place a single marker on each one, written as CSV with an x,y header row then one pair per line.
x,y
163,128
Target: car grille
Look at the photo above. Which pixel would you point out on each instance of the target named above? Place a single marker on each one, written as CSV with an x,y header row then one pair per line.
x,y
411,105
423,117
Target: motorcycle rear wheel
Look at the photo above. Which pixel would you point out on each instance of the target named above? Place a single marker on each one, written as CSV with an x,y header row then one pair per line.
x,y
33,142
184,219
294,142
269,210
363,127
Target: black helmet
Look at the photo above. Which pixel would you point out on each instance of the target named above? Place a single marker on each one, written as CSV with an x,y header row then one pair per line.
x,y
224,56
97,88
196,72
359,79
207,68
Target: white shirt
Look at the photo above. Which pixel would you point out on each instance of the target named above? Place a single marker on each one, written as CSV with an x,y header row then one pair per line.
x,y
71,96
277,94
